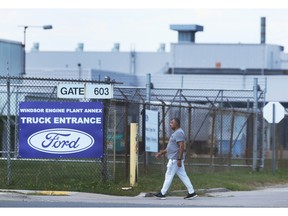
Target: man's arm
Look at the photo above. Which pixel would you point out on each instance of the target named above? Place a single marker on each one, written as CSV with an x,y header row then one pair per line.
x,y
181,150
162,152
180,153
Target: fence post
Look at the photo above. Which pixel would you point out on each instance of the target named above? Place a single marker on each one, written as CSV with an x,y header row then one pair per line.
x,y
133,154
231,139
126,129
221,125
148,99
8,132
263,127
255,125
163,131
104,159
143,147
114,143
212,138
189,137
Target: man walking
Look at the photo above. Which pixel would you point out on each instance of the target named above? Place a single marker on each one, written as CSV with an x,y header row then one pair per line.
x,y
175,156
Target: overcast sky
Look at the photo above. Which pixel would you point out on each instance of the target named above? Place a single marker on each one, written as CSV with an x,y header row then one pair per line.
x,y
141,29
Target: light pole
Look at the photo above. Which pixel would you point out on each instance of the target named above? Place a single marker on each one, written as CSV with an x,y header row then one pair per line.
x,y
45,27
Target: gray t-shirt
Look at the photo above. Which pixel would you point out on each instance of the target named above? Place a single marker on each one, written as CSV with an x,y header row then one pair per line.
x,y
173,147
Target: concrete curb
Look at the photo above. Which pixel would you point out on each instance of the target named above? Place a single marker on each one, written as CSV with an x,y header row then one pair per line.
x,y
32,192
51,193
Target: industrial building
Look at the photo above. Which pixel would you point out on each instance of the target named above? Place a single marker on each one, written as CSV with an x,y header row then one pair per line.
x,y
12,56
188,64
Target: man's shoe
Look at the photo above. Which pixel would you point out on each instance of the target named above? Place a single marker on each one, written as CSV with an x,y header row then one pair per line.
x,y
160,196
191,196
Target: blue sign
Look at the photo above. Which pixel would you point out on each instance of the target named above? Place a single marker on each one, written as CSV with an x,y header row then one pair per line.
x,y
61,129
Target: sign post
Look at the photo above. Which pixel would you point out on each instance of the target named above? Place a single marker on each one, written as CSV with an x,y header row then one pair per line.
x,y
273,112
273,140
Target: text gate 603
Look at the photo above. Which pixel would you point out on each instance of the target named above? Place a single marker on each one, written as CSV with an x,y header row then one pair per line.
x,y
82,91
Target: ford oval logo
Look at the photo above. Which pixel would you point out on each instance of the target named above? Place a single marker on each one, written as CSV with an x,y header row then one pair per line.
x,y
60,141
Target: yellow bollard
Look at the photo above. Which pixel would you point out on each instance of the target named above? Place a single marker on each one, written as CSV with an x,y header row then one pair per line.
x,y
133,154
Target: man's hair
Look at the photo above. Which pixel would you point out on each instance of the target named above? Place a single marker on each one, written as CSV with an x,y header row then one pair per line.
x,y
177,120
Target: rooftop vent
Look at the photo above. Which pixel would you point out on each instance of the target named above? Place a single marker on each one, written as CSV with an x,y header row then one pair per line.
x,y
116,47
35,47
263,30
186,33
80,47
161,47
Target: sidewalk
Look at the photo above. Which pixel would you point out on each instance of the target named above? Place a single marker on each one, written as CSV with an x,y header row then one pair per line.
x,y
276,196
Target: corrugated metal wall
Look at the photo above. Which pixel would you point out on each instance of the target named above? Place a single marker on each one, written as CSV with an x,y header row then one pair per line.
x,y
144,62
182,55
11,58
253,56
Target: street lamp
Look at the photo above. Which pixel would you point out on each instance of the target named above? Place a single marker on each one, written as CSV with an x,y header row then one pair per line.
x,y
45,27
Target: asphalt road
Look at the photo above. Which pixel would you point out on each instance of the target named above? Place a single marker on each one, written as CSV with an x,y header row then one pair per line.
x,y
271,197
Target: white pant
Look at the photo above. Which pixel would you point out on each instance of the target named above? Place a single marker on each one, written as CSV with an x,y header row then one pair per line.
x,y
173,169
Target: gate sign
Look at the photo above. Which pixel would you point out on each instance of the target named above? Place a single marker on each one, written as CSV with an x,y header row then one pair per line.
x,y
279,112
82,91
61,129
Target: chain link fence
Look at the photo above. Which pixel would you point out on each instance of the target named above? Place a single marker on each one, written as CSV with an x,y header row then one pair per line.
x,y
219,127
